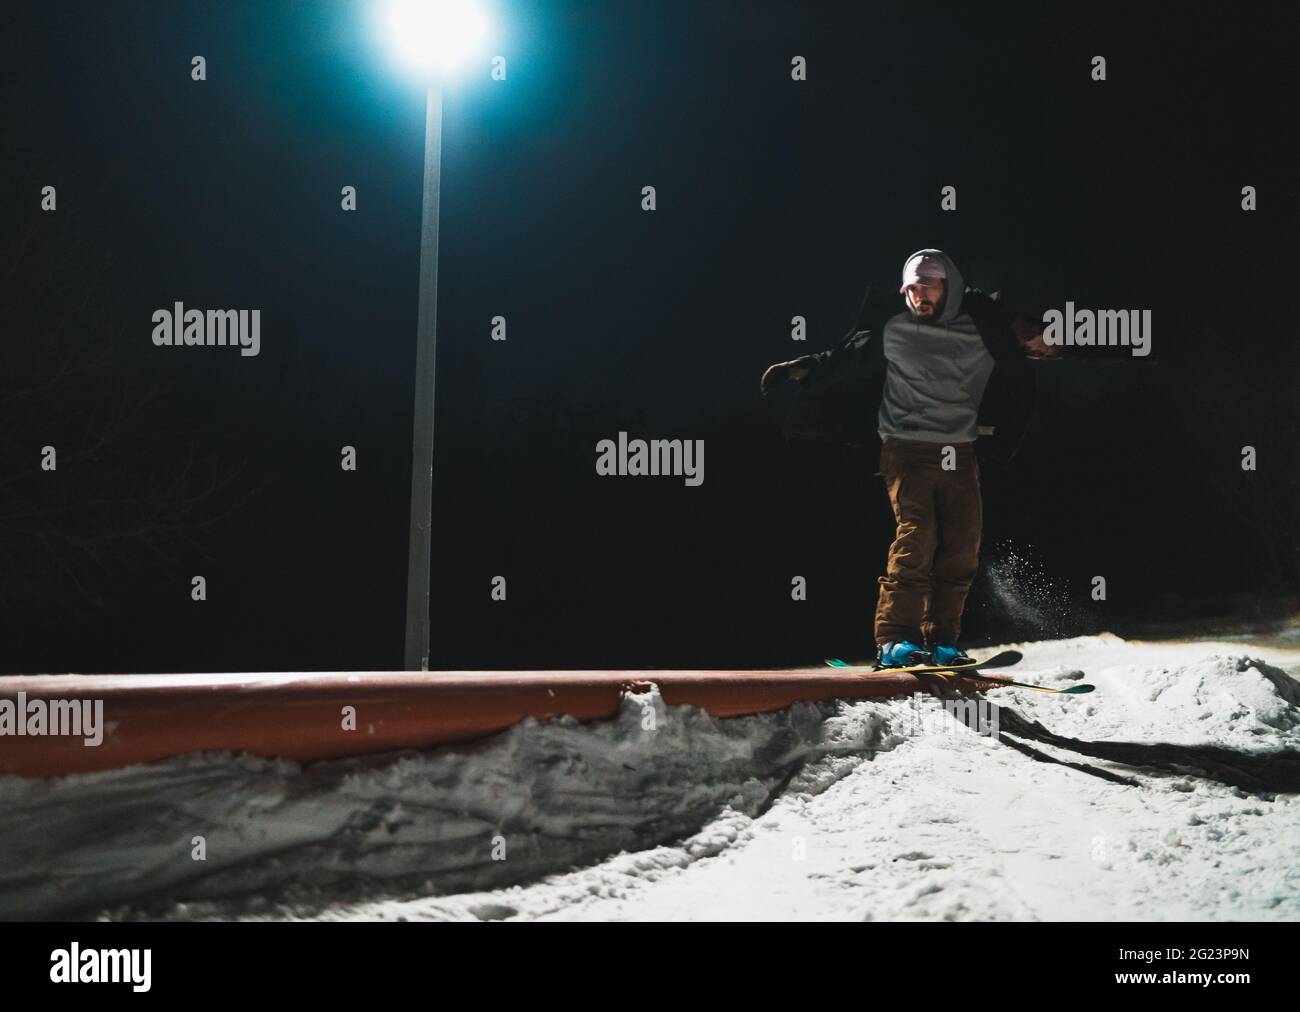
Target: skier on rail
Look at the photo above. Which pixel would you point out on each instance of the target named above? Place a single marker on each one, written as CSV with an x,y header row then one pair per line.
x,y
947,369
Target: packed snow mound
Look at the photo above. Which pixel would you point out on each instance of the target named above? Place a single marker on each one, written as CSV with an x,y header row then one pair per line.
x,y
1237,695
540,797
1223,698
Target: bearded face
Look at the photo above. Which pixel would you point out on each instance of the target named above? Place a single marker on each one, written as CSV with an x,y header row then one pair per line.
x,y
925,298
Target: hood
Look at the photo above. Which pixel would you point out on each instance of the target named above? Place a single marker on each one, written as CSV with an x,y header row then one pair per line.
x,y
956,284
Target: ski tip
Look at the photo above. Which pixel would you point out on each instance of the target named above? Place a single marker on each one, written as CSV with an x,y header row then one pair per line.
x,y
835,662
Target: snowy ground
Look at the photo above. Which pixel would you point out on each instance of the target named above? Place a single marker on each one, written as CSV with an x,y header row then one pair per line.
x,y
862,810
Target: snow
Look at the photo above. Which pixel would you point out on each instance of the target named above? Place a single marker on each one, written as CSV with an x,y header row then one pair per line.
x,y
880,809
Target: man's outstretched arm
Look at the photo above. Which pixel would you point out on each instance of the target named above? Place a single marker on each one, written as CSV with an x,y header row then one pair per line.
x,y
857,356
782,371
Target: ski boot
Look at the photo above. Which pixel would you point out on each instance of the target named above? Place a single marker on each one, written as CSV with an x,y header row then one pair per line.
x,y
949,653
900,654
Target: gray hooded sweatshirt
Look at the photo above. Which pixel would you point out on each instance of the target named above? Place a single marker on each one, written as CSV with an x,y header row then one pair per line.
x,y
936,371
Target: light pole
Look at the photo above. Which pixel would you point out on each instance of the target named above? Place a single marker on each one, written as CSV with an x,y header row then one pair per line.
x,y
419,550
431,36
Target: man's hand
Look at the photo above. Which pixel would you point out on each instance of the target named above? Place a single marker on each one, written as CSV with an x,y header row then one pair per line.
x,y
779,373
1029,333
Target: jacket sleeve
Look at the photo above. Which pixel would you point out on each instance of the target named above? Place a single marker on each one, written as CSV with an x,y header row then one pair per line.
x,y
854,358
858,355
1011,396
993,321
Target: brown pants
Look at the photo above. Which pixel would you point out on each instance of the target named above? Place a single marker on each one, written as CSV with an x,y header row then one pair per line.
x,y
935,553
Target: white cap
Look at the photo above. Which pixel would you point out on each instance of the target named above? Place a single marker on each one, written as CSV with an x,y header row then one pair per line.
x,y
922,265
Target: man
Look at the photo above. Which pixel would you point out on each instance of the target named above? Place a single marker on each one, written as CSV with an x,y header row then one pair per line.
x,y
928,368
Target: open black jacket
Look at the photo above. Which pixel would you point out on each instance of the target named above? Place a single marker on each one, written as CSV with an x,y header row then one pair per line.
x,y
840,400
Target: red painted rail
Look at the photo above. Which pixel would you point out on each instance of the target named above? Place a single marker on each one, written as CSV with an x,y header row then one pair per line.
x,y
302,716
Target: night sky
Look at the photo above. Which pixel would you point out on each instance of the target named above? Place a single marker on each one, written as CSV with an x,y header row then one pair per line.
x,y
775,198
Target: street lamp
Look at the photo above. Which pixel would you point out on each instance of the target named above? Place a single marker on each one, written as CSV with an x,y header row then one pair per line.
x,y
434,35
430,37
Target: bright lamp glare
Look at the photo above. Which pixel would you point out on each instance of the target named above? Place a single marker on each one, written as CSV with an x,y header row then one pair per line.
x,y
434,34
